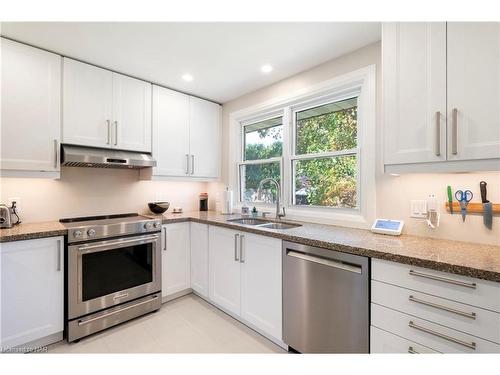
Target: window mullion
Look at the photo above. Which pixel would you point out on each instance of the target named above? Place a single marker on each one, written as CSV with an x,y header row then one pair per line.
x,y
330,154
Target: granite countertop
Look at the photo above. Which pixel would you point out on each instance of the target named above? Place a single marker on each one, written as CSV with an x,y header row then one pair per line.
x,y
30,231
463,258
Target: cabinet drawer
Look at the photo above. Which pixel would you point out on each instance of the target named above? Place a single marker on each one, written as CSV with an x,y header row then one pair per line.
x,y
465,318
475,292
385,342
423,332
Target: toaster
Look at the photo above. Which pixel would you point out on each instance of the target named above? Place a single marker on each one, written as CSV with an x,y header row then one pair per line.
x,y
5,217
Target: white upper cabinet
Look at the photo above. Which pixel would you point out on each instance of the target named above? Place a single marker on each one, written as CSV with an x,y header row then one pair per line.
x,y
175,258
105,109
473,90
414,92
170,132
31,108
32,291
87,105
204,138
441,96
186,135
132,113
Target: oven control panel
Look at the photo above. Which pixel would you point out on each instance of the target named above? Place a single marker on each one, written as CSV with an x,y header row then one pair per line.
x,y
93,232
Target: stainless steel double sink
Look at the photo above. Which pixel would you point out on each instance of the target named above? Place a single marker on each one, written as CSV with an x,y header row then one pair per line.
x,y
262,223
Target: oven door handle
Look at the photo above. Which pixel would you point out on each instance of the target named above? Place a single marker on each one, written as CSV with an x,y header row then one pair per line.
x,y
137,241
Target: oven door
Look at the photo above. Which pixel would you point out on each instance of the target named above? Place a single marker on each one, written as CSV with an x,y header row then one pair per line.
x,y
106,273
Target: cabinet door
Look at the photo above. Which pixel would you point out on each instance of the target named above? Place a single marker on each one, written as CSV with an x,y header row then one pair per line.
x,y
170,132
199,258
32,287
175,258
473,90
87,104
224,268
261,297
31,108
414,92
205,128
132,114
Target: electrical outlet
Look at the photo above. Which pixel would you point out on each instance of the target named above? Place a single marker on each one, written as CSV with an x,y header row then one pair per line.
x,y
418,209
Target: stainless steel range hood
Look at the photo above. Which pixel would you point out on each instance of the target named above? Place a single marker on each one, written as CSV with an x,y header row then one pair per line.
x,y
89,157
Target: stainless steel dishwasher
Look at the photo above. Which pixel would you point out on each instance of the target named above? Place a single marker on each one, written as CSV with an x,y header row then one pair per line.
x,y
325,300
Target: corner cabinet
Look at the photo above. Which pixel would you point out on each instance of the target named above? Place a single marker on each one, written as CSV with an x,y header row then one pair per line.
x,y
32,292
176,260
105,109
31,109
245,278
199,258
186,135
441,90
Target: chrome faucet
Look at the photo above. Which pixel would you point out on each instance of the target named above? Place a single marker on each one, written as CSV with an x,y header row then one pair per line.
x,y
279,215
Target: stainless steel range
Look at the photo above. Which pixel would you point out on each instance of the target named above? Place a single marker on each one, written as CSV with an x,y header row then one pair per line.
x,y
113,271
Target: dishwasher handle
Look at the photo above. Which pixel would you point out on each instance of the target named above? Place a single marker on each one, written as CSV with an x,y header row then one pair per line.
x,y
326,262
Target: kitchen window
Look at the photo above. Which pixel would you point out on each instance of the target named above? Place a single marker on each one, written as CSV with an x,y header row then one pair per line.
x,y
325,159
262,153
318,143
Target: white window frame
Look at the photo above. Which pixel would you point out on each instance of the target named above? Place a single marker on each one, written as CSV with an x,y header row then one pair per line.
x,y
360,83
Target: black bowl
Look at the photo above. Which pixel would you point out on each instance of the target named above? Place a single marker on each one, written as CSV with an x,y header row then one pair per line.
x,y
158,207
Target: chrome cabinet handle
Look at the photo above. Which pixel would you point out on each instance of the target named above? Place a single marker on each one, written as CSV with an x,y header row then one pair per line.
x,y
58,255
56,144
470,345
443,279
192,164
164,239
454,120
108,141
187,163
438,133
111,313
412,351
116,133
441,307
242,242
236,236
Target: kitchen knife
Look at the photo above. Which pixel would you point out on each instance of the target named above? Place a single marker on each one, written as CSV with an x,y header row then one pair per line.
x,y
450,199
487,206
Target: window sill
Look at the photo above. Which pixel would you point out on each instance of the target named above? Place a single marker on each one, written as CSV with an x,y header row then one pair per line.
x,y
320,215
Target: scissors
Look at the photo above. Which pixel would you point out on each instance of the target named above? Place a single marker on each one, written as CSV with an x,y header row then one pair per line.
x,y
464,197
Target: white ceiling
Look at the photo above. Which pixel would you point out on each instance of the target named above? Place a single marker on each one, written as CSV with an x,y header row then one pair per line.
x,y
224,58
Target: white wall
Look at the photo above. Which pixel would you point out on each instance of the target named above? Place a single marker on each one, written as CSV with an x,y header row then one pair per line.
x,y
393,193
88,191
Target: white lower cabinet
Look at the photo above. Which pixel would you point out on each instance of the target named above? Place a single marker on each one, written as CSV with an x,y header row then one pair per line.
x,y
224,269
199,258
176,263
261,283
32,292
442,312
384,342
245,278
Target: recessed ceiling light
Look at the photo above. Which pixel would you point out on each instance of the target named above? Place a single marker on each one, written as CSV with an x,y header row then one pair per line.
x,y
187,77
266,68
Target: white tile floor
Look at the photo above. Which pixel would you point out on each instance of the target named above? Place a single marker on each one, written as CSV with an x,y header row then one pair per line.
x,y
185,325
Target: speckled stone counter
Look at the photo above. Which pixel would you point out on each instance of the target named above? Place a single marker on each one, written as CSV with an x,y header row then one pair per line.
x,y
30,231
463,258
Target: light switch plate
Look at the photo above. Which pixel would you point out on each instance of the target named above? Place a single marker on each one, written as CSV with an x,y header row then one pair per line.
x,y
418,209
